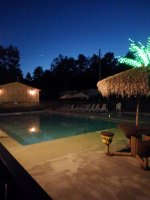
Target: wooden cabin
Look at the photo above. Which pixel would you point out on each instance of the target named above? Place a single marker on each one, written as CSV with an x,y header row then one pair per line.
x,y
18,94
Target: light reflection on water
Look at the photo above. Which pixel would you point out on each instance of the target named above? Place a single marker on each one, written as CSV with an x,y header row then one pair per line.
x,y
35,128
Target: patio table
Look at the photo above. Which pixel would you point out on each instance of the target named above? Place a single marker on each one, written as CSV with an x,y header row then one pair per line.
x,y
139,142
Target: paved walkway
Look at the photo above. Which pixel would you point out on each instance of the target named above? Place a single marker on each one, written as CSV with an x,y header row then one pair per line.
x,y
76,168
91,175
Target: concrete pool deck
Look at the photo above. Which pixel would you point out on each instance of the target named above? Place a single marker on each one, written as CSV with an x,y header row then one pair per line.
x,y
76,168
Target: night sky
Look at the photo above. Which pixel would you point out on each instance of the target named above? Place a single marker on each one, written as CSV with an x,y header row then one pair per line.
x,y
43,29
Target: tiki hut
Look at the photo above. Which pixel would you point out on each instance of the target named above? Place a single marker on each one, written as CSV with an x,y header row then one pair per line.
x,y
18,94
133,82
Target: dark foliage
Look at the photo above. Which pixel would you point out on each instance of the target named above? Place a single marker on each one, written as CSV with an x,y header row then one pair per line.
x,y
9,65
65,73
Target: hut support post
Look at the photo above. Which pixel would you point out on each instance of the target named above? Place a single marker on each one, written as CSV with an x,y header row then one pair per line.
x,y
137,111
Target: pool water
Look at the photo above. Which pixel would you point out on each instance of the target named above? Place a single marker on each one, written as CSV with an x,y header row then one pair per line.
x,y
34,128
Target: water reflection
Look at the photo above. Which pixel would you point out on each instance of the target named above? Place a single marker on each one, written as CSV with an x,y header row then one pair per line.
x,y
34,128
22,123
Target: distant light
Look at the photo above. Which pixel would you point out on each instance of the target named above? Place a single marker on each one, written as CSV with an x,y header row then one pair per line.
x,y
32,92
1,91
32,130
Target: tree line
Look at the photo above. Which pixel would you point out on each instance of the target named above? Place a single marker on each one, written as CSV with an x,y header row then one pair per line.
x,y
9,65
64,73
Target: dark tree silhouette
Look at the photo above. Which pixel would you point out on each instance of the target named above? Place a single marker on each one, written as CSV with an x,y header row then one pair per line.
x,y
67,73
63,69
82,63
29,77
38,73
94,70
108,63
3,68
9,64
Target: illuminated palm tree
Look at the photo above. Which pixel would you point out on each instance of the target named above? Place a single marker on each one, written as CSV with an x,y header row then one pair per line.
x,y
133,82
141,55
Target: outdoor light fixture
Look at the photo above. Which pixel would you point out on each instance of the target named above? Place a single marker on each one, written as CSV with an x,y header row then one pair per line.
x,y
32,92
1,91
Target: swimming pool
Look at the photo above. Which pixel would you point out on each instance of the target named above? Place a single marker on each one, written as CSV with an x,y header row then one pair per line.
x,y
34,128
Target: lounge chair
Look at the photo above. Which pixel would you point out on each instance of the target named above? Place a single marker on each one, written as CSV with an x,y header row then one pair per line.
x,y
87,107
92,107
97,107
104,108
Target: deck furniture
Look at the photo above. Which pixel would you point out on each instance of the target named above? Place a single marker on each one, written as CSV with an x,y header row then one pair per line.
x,y
104,108
107,137
139,142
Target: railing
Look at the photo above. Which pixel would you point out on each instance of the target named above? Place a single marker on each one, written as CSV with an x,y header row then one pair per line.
x,y
15,182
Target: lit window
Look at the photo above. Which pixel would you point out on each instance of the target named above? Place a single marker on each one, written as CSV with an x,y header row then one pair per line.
x,y
1,91
32,92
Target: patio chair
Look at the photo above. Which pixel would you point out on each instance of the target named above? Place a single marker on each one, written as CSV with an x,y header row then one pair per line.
x,y
97,108
92,107
71,107
104,108
87,107
82,108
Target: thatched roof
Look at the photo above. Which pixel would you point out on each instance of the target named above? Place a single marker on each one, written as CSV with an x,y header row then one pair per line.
x,y
132,82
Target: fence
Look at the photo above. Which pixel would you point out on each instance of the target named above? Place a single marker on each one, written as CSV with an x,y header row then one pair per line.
x,y
15,182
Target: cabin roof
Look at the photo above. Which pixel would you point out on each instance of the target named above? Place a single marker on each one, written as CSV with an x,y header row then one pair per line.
x,y
18,83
